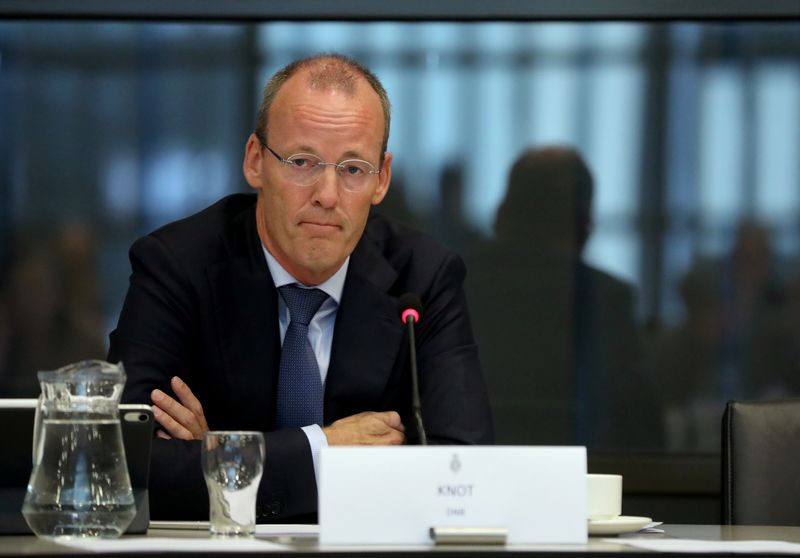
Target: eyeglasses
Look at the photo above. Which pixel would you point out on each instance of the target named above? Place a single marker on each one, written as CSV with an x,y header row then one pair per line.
x,y
304,169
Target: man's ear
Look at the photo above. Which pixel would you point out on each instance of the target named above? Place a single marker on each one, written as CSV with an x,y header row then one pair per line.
x,y
384,178
252,164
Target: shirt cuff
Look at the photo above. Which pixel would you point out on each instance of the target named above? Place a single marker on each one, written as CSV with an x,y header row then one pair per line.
x,y
317,441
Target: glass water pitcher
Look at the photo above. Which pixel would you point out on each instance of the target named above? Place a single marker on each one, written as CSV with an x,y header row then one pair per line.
x,y
79,485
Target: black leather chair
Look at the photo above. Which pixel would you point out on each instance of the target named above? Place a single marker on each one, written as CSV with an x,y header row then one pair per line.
x,y
761,463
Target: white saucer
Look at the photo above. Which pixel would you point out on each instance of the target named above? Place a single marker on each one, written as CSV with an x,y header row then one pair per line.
x,y
618,525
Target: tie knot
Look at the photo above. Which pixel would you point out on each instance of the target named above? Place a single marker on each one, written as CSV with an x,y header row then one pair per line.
x,y
302,303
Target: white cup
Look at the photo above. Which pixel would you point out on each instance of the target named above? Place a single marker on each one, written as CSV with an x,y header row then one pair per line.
x,y
603,496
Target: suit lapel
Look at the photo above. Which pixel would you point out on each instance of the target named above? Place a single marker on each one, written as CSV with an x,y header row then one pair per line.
x,y
366,337
246,308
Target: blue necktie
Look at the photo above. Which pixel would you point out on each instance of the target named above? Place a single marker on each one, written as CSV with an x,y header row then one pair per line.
x,y
300,392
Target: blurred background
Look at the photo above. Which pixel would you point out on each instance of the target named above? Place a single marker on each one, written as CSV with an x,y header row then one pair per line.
x,y
639,268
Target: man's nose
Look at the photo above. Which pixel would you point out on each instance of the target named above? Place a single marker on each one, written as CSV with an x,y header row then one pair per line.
x,y
326,188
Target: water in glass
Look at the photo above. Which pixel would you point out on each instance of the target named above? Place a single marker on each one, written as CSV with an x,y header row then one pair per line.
x,y
232,465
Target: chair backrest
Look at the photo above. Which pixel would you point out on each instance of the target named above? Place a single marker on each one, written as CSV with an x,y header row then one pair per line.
x,y
761,463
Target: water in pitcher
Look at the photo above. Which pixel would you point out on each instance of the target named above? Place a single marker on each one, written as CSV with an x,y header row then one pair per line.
x,y
80,486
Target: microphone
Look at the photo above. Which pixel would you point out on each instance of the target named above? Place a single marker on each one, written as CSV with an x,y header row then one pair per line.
x,y
410,308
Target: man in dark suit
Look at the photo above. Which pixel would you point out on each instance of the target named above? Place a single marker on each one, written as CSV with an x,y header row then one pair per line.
x,y
201,330
558,336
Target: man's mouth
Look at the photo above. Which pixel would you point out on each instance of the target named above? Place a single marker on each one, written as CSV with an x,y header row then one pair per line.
x,y
319,227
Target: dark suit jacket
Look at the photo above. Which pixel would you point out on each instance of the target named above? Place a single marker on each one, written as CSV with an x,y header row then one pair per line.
x,y
561,350
202,305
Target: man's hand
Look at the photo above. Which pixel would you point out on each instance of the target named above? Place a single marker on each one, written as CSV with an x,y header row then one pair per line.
x,y
184,420
367,429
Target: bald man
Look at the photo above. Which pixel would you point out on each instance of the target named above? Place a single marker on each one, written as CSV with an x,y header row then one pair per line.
x,y
206,314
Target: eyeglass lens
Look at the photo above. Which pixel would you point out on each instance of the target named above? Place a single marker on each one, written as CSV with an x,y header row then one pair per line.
x,y
306,169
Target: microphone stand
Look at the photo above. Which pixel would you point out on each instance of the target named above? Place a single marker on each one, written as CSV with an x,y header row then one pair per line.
x,y
416,406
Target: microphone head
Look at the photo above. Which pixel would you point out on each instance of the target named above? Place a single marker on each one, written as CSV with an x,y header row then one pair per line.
x,y
410,306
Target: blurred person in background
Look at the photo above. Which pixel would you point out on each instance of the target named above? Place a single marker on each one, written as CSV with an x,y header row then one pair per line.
x,y
557,335
49,314
734,343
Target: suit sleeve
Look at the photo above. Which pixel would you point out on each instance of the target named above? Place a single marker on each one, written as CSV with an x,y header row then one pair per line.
x,y
158,336
455,403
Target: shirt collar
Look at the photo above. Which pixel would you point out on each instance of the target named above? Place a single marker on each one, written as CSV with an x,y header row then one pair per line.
x,y
333,287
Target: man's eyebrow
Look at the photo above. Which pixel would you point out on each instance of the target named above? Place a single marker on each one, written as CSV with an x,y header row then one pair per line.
x,y
349,154
304,149
353,155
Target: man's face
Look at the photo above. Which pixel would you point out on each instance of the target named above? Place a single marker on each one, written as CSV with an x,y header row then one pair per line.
x,y
311,230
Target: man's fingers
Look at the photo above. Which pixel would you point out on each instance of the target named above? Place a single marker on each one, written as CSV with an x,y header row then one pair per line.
x,y
172,407
185,394
172,428
369,428
385,434
389,418
189,401
392,418
174,412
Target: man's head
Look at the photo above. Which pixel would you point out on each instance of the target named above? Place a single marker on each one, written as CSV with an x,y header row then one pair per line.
x,y
549,200
331,70
332,109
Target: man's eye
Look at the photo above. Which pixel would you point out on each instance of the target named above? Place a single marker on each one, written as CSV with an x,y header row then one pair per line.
x,y
301,163
352,169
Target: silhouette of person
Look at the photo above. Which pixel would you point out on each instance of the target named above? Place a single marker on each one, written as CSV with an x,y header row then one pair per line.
x,y
752,296
557,336
681,363
786,380
48,311
735,341
449,224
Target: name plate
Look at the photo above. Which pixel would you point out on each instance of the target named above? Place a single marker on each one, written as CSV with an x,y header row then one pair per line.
x,y
395,495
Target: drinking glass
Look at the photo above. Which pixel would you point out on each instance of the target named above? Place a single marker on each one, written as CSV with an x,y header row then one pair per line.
x,y
233,462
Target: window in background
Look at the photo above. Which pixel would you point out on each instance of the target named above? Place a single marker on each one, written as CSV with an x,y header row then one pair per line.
x,y
626,332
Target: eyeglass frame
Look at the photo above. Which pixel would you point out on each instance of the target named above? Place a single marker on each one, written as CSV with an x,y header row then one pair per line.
x,y
287,161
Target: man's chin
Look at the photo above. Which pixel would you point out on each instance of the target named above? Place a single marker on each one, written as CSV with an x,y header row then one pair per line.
x,y
320,262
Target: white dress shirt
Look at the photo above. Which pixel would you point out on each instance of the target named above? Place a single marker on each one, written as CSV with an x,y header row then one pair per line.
x,y
320,332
